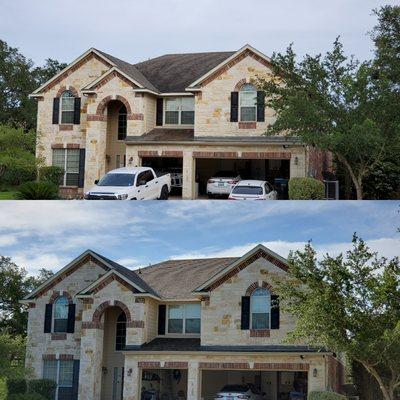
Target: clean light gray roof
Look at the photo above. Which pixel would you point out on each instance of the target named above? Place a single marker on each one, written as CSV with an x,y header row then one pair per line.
x,y
177,279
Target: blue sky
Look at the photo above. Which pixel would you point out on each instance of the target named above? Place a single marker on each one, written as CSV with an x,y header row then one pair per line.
x,y
136,30
50,234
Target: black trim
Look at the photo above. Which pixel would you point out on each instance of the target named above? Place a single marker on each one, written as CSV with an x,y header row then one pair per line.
x,y
81,176
75,380
71,318
260,106
234,106
275,312
245,319
77,111
159,112
56,110
47,318
162,311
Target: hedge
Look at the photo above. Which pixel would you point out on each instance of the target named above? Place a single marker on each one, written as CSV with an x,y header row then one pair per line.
x,y
38,191
306,189
16,386
51,174
44,387
325,396
27,396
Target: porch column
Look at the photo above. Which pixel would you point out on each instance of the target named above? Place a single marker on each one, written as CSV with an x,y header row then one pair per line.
x,y
188,181
95,162
132,379
132,157
298,167
317,376
90,371
194,381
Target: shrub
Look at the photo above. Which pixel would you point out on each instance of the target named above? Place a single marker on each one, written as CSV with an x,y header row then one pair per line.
x,y
15,171
325,396
51,174
306,189
26,396
38,191
44,387
16,386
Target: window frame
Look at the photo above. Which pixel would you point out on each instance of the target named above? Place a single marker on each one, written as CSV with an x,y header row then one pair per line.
x,y
61,111
121,136
251,310
58,361
53,322
183,333
66,172
179,111
240,103
116,331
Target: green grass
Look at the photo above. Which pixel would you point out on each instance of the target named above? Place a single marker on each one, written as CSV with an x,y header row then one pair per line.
x,y
8,195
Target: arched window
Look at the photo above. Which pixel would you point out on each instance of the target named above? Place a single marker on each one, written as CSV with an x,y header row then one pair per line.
x,y
61,314
260,305
248,103
67,107
122,122
120,334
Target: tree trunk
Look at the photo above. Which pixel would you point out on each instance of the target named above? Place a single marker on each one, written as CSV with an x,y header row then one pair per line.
x,y
357,180
387,392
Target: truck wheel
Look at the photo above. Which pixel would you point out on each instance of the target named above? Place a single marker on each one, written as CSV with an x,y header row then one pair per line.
x,y
164,193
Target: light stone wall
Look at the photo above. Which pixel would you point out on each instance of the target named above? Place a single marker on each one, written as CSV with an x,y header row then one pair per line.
x,y
39,343
151,321
221,319
150,104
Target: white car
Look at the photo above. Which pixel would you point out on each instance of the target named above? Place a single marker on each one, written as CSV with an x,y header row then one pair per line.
x,y
253,190
222,183
131,183
239,392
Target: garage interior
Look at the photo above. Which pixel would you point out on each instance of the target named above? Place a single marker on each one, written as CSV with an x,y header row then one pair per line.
x,y
277,385
268,170
164,384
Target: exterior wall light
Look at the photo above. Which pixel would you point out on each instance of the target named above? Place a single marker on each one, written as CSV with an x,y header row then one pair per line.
x,y
296,160
129,373
315,372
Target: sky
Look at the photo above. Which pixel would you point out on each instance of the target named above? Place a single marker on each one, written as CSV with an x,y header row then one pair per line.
x,y
51,234
137,30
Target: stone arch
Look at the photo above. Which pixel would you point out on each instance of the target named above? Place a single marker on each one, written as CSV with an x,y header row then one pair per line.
x,y
56,295
103,306
65,89
256,285
242,82
103,104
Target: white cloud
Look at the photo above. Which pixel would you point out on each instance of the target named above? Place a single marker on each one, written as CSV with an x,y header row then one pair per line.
x,y
8,240
33,262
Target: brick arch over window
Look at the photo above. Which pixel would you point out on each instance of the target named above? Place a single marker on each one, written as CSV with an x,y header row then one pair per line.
x,y
102,307
256,285
65,89
103,104
56,295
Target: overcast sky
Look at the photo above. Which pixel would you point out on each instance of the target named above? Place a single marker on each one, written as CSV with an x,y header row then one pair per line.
x,y
51,234
137,30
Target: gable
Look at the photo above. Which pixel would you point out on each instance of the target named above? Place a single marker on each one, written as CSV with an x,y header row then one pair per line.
x,y
108,77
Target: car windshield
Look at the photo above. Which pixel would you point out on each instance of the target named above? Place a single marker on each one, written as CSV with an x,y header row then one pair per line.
x,y
235,388
225,174
254,190
117,180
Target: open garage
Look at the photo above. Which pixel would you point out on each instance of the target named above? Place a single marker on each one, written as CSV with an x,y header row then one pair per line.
x,y
268,385
165,384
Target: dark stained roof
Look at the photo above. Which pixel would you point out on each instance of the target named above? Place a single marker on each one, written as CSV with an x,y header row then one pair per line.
x,y
173,73
177,279
193,344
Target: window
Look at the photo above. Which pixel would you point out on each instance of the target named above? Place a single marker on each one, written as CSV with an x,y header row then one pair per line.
x,y
61,314
120,334
67,108
145,176
68,160
184,318
60,372
122,123
179,111
248,103
260,304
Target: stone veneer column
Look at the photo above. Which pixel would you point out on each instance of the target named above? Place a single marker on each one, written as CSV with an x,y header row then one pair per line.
x,y
132,153
298,168
131,379
188,169
194,386
319,382
90,371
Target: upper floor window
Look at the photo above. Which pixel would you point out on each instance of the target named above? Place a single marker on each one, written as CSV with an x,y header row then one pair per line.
x,y
61,314
248,103
179,111
68,160
67,107
184,318
122,123
260,305
120,334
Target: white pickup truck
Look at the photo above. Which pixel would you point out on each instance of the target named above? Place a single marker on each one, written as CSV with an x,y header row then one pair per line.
x,y
131,183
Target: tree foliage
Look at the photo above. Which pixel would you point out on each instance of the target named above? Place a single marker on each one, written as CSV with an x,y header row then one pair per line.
x,y
348,304
12,350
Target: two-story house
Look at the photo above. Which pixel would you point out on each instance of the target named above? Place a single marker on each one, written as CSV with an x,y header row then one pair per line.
x,y
179,329
192,113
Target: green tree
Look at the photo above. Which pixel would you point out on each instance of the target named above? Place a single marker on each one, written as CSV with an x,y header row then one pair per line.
x,y
339,104
15,284
348,304
12,350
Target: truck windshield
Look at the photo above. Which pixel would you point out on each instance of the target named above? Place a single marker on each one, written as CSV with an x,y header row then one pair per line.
x,y
117,180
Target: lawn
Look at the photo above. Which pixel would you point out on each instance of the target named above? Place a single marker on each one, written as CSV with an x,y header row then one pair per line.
x,y
8,194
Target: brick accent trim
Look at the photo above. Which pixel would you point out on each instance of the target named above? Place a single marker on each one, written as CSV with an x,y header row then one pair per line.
x,y
176,364
95,117
215,154
66,146
66,127
260,333
136,117
103,103
172,153
239,85
245,263
96,323
282,366
53,357
167,364
256,285
109,77
223,365
247,125
49,357
149,364
92,325
285,155
32,305
148,153
58,336
110,279
57,294
64,89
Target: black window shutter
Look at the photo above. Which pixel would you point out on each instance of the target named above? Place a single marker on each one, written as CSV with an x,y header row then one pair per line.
x,y
81,175
245,322
77,111
261,106
47,318
71,318
56,109
162,308
275,312
75,380
234,106
159,112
